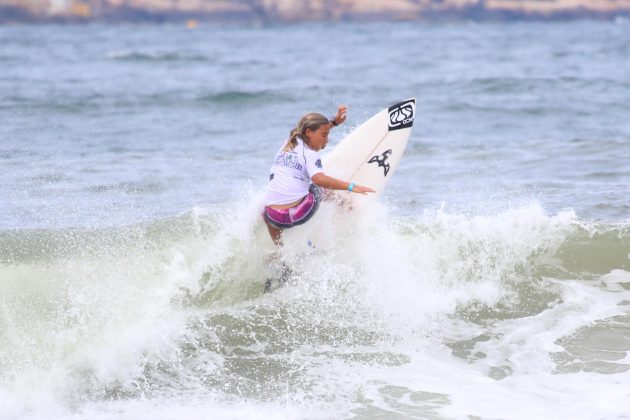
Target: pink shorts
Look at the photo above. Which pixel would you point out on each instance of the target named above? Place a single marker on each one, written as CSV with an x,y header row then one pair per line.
x,y
293,216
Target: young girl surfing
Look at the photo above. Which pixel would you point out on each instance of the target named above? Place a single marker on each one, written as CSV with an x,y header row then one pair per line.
x,y
293,194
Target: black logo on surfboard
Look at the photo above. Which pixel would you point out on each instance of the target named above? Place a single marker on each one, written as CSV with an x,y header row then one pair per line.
x,y
402,114
381,160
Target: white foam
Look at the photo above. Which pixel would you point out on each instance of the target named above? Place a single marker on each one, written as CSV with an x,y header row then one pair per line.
x,y
398,282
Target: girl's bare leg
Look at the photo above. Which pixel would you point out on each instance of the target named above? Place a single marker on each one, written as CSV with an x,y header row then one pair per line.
x,y
275,233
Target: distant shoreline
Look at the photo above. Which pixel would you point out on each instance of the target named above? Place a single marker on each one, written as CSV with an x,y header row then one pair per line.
x,y
159,18
296,11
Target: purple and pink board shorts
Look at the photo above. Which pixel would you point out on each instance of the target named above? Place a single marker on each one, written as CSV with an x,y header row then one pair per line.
x,y
293,216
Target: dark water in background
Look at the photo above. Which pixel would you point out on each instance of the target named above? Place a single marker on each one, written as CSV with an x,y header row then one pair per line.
x,y
491,281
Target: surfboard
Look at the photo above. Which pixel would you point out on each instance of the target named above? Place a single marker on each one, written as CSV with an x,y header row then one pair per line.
x,y
370,154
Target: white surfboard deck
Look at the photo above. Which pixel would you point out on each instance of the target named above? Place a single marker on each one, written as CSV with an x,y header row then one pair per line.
x,y
370,154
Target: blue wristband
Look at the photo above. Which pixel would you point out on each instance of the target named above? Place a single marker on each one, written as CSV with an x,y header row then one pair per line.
x,y
351,186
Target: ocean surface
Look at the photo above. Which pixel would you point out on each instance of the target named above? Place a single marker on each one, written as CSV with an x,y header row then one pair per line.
x,y
491,280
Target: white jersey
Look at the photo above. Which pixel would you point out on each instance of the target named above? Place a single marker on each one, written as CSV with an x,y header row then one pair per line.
x,y
291,174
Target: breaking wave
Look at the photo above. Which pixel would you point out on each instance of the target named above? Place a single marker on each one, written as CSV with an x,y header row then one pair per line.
x,y
175,307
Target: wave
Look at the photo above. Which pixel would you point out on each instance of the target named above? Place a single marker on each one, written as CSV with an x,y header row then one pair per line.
x,y
241,96
476,268
90,102
522,244
157,309
605,243
154,56
72,103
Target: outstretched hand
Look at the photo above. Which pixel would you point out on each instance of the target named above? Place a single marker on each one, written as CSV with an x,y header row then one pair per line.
x,y
341,115
360,189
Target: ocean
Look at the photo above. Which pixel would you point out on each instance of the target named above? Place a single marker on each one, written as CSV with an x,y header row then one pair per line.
x,y
491,280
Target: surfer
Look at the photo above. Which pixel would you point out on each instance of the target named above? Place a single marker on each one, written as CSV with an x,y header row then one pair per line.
x,y
293,194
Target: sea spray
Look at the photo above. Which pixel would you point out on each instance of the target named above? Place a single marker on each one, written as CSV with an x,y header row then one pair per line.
x,y
157,311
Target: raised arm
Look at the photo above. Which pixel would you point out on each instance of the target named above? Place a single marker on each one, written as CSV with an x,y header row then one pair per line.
x,y
340,117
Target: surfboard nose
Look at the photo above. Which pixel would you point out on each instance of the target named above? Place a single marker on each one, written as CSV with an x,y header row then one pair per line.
x,y
370,154
402,114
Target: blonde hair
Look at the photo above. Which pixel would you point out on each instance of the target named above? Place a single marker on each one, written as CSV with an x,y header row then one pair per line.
x,y
311,121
